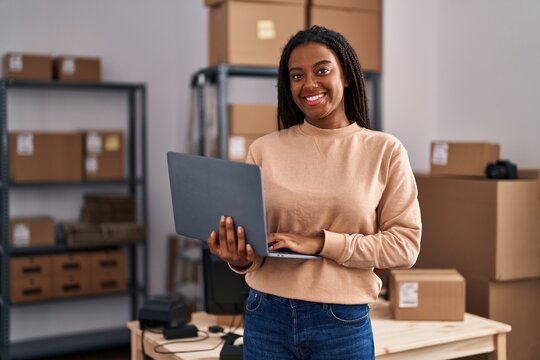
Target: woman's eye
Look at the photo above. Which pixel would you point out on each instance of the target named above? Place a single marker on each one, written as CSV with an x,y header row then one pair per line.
x,y
296,76
323,71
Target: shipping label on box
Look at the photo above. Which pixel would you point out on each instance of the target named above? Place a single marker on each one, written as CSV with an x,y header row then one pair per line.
x,y
427,294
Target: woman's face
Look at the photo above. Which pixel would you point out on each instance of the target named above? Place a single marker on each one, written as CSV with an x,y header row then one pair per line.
x,y
317,85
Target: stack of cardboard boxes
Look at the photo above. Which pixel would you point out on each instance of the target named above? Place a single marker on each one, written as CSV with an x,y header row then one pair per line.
x,y
41,67
253,32
486,229
44,277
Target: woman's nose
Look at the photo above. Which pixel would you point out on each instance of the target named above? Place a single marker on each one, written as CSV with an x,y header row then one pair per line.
x,y
311,82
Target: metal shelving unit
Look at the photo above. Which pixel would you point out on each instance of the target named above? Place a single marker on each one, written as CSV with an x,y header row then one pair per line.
x,y
135,182
219,76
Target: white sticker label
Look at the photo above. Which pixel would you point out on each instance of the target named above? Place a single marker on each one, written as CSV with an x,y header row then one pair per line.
x,y
237,147
16,63
21,235
91,164
25,144
408,295
68,66
440,154
266,29
93,143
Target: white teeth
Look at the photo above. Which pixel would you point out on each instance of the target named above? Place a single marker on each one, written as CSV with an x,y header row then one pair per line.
x,y
315,97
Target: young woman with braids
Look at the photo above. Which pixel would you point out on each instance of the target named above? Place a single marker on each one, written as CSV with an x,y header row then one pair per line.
x,y
335,188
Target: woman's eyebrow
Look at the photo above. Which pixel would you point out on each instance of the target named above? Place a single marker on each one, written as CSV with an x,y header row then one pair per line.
x,y
298,68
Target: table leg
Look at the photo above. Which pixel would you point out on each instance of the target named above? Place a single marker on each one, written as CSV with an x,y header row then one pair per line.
x,y
500,348
136,353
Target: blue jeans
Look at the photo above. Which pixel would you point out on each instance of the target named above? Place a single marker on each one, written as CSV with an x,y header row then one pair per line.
x,y
278,328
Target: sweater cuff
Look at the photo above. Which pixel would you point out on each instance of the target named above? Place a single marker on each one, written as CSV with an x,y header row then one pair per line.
x,y
334,243
256,263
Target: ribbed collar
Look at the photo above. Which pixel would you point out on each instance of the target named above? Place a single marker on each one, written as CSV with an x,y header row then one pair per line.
x,y
309,129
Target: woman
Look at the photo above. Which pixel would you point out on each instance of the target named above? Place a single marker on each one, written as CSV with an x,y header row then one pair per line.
x,y
335,188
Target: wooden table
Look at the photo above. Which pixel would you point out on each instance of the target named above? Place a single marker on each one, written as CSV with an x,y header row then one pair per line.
x,y
418,340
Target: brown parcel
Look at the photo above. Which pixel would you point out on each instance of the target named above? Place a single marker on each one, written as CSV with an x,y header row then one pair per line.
x,y
247,123
36,231
45,156
359,21
27,66
483,228
77,69
462,159
427,294
252,32
71,274
514,303
30,278
104,155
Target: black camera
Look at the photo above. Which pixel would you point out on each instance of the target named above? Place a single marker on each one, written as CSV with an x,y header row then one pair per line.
x,y
501,169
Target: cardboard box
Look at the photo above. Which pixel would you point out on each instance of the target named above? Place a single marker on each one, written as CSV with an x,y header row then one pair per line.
x,y
483,228
247,122
250,119
514,303
30,289
109,273
252,32
37,231
77,69
30,278
98,209
80,234
104,155
359,21
123,232
71,274
427,294
27,66
45,156
463,159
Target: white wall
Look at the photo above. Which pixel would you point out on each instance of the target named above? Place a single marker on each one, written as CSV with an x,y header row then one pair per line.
x,y
463,71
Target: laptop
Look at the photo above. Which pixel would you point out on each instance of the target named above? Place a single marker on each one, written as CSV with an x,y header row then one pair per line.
x,y
205,188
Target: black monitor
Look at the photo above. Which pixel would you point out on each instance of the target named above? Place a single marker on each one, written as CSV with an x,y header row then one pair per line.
x,y
225,291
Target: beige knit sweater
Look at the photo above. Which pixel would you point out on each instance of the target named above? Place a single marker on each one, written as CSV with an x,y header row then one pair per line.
x,y
356,185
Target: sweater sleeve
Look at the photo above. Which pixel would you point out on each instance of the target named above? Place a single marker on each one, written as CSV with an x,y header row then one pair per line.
x,y
397,244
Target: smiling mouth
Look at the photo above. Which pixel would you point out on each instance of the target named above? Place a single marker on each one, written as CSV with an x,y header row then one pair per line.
x,y
314,99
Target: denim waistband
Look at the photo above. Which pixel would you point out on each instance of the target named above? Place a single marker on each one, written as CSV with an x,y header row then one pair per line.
x,y
292,302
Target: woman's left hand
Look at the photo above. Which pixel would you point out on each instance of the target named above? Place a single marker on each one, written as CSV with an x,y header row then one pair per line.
x,y
309,245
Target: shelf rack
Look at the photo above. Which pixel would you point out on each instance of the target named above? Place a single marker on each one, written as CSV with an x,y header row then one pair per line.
x,y
135,180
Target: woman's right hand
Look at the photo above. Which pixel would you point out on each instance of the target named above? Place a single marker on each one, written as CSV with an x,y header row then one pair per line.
x,y
228,248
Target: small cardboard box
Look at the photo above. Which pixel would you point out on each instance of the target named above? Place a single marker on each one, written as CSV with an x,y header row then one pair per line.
x,y
247,122
104,155
109,273
30,289
45,156
252,32
359,21
27,66
77,69
71,274
427,294
481,227
36,231
514,303
30,278
462,158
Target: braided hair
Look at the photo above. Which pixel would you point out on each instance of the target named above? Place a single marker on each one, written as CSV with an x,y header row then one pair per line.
x,y
356,108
